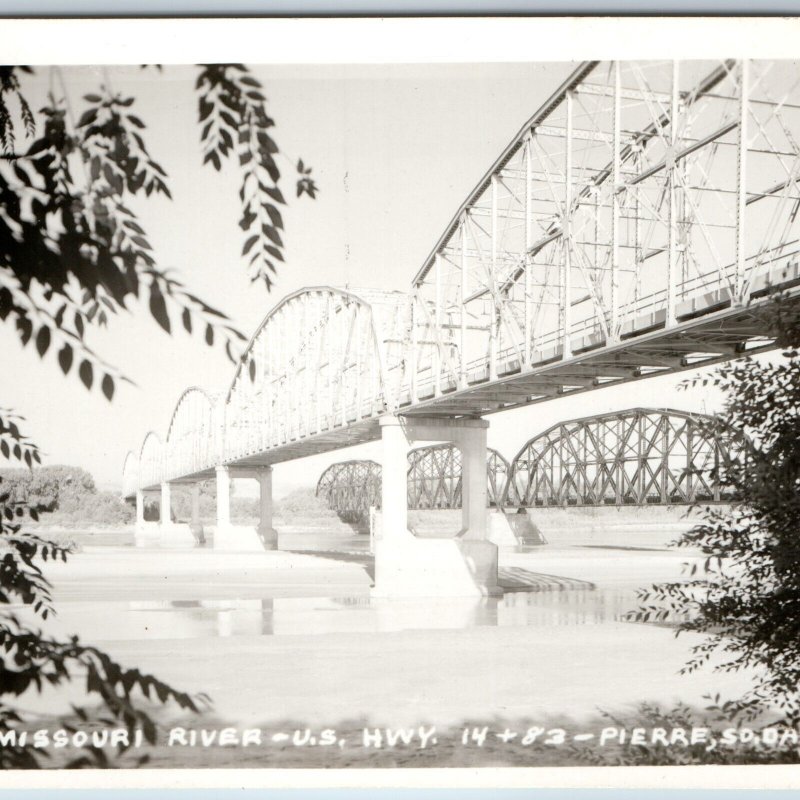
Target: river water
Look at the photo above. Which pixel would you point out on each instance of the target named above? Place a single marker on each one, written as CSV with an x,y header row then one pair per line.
x,y
291,635
118,594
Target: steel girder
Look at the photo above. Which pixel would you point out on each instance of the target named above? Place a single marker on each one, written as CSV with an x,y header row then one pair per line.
x,y
633,457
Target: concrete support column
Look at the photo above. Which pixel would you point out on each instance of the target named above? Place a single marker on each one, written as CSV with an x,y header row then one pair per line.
x,y
165,514
146,534
171,534
267,534
139,508
223,497
474,500
195,525
394,479
407,566
255,538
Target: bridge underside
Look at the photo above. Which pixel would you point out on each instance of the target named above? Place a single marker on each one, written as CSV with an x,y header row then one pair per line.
x,y
702,336
363,431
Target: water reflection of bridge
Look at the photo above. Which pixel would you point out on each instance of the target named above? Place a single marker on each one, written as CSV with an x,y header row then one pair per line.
x,y
637,457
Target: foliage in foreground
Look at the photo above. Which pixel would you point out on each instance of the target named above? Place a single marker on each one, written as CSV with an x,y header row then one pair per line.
x,y
744,596
728,739
72,249
72,254
30,659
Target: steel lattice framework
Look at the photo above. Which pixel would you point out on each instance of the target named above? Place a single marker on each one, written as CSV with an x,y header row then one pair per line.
x,y
635,457
638,202
434,477
315,375
434,481
350,488
635,225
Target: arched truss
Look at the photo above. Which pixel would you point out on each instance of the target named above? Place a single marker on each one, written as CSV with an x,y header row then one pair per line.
x,y
350,488
634,457
323,358
640,195
193,436
130,474
434,476
434,481
151,460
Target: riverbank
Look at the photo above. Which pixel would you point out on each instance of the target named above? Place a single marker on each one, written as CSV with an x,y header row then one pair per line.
x,y
651,527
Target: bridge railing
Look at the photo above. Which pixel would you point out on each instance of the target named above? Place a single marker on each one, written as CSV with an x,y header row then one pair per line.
x,y
548,345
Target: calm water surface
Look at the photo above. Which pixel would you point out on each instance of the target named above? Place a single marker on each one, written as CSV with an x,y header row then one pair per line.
x,y
531,599
293,616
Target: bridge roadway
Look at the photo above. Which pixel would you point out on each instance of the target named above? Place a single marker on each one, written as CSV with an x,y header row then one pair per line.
x,y
638,224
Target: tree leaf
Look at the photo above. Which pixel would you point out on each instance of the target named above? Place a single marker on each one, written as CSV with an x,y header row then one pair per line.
x,y
65,357
43,340
158,307
87,118
107,387
86,373
248,245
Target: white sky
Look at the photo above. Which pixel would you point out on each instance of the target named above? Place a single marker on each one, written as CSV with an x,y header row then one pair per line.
x,y
395,149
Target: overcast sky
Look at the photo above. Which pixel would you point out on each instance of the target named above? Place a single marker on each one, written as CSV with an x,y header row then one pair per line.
x,y
395,150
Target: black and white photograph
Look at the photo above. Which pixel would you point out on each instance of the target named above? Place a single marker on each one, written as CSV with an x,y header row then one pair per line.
x,y
385,412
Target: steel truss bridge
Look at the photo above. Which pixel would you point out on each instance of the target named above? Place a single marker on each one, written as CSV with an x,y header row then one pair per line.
x,y
635,457
635,225
434,481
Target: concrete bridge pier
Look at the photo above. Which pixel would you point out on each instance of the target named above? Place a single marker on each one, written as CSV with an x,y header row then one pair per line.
x,y
266,533
407,566
196,526
228,536
165,509
145,533
139,510
170,532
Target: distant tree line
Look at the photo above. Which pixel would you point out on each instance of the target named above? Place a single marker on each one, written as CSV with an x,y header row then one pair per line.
x,y
65,494
242,508
69,495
